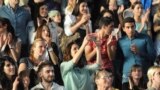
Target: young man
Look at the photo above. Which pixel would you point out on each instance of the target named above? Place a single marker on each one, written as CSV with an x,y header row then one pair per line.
x,y
46,75
133,48
107,44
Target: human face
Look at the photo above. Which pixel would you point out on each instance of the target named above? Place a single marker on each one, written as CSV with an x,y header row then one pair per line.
x,y
137,10
9,69
105,79
45,32
57,18
74,49
83,8
47,74
13,2
26,81
108,28
43,11
156,77
129,29
39,48
137,73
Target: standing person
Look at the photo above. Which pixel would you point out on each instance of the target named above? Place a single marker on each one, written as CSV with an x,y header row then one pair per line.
x,y
136,81
133,48
10,45
153,78
19,18
79,21
74,70
107,45
46,74
142,24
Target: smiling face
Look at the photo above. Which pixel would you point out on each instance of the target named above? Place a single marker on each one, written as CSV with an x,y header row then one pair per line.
x,y
39,48
43,11
83,8
9,69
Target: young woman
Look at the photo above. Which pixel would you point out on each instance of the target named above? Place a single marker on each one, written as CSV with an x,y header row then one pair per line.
x,y
36,56
79,21
104,80
142,24
153,78
9,44
52,50
7,73
74,70
135,80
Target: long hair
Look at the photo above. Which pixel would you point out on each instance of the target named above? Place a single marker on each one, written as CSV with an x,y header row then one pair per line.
x,y
10,30
31,56
40,29
76,11
150,74
4,80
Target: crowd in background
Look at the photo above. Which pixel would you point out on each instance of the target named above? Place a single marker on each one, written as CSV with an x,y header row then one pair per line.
x,y
79,44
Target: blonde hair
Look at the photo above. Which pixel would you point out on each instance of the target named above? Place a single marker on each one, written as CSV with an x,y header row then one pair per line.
x,y
150,75
32,51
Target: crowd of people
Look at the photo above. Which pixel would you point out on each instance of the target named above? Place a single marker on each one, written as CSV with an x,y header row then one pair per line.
x,y
79,45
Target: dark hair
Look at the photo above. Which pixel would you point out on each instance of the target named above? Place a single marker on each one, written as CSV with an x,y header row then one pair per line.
x,y
67,52
10,29
106,11
135,3
4,80
76,9
141,83
44,64
105,21
128,20
22,74
40,29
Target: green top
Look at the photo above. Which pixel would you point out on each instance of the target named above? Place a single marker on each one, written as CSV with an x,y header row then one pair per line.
x,y
75,78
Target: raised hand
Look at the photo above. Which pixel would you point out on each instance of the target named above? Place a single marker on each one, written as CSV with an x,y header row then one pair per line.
x,y
120,9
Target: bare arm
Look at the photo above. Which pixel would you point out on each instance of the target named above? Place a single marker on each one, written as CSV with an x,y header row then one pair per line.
x,y
89,53
80,51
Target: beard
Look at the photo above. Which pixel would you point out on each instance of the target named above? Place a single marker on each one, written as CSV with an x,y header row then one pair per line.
x,y
48,79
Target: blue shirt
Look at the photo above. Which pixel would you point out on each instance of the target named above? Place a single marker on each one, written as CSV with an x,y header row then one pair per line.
x,y
19,19
125,56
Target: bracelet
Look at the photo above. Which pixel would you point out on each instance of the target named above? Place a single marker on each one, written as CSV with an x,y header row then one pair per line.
x,y
50,49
